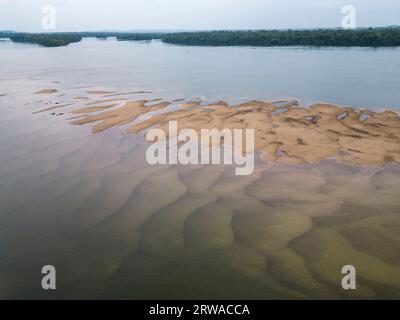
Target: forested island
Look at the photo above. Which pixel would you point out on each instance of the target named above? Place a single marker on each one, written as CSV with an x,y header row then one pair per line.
x,y
139,36
64,39
368,37
45,40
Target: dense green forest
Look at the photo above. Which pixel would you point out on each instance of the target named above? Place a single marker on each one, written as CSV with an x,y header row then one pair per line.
x,y
63,39
372,37
122,36
327,37
139,36
46,40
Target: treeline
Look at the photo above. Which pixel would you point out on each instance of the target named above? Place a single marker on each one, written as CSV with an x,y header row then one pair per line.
x,y
372,37
139,36
63,39
378,37
122,36
46,40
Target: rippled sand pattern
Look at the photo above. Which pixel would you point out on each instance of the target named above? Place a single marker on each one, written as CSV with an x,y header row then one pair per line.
x,y
115,227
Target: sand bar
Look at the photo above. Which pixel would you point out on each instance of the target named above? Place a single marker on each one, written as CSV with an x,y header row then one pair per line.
x,y
294,135
46,91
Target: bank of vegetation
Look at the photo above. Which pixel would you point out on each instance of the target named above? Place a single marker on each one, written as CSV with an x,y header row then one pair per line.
x,y
45,40
379,37
372,37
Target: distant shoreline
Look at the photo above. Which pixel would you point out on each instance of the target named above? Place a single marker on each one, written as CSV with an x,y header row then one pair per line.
x,y
363,37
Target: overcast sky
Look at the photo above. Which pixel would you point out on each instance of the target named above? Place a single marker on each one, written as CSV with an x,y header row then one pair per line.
x,y
79,15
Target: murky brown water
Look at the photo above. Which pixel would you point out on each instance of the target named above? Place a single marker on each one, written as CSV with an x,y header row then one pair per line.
x,y
115,227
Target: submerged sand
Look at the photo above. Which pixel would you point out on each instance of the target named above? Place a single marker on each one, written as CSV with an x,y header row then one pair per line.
x,y
116,227
46,91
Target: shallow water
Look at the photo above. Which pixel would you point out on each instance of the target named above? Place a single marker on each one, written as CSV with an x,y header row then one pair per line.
x,y
115,227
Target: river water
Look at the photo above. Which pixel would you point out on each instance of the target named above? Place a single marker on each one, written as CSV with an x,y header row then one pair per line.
x,y
115,227
358,77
